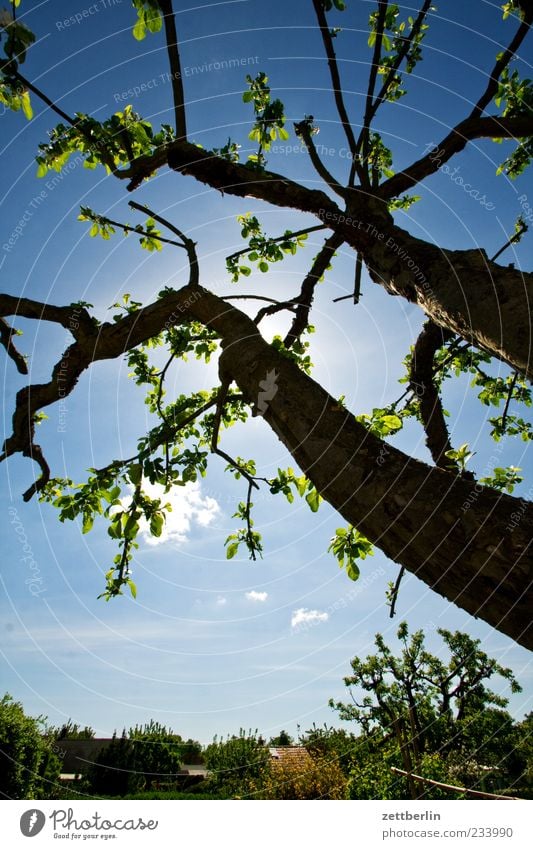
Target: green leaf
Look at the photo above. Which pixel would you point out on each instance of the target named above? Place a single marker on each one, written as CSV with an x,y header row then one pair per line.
x,y
88,522
26,105
139,30
232,550
156,524
135,473
353,571
313,499
133,588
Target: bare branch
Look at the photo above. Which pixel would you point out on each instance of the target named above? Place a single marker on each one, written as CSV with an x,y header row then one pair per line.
x,y
74,318
42,96
501,63
175,67
188,244
362,143
335,76
303,130
491,127
514,238
431,338
508,401
6,339
305,300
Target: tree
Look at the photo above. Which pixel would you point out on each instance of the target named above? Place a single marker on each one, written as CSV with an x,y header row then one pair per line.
x,y
468,539
28,767
335,744
236,762
147,755
424,713
71,731
282,739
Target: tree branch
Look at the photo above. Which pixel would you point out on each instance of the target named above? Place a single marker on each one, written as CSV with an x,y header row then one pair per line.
x,y
188,244
6,339
305,299
282,238
431,338
42,96
74,318
501,63
493,126
402,53
175,67
335,76
362,142
303,130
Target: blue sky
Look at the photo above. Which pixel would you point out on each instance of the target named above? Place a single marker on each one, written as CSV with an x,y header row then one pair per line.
x,y
210,646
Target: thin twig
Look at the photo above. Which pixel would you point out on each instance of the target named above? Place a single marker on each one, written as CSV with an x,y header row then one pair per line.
x,y
252,298
508,401
128,229
357,279
303,130
305,300
42,96
303,232
162,376
394,593
514,238
188,244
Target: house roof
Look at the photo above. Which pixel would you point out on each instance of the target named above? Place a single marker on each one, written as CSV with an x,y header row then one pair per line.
x,y
293,755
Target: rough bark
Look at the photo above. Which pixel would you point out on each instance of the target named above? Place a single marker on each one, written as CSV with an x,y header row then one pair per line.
x,y
487,304
469,543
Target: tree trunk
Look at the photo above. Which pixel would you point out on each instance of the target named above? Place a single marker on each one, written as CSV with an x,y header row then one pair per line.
x,y
469,543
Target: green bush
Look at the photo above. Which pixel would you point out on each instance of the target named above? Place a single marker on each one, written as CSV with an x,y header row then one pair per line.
x,y
28,767
235,762
136,761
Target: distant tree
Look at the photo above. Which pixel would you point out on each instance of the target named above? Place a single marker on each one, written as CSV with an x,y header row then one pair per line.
x,y
147,755
28,766
113,773
334,744
72,731
235,762
421,706
525,751
158,753
282,739
192,752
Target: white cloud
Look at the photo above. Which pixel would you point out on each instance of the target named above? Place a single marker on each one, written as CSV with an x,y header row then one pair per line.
x,y
221,601
302,616
189,507
255,596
